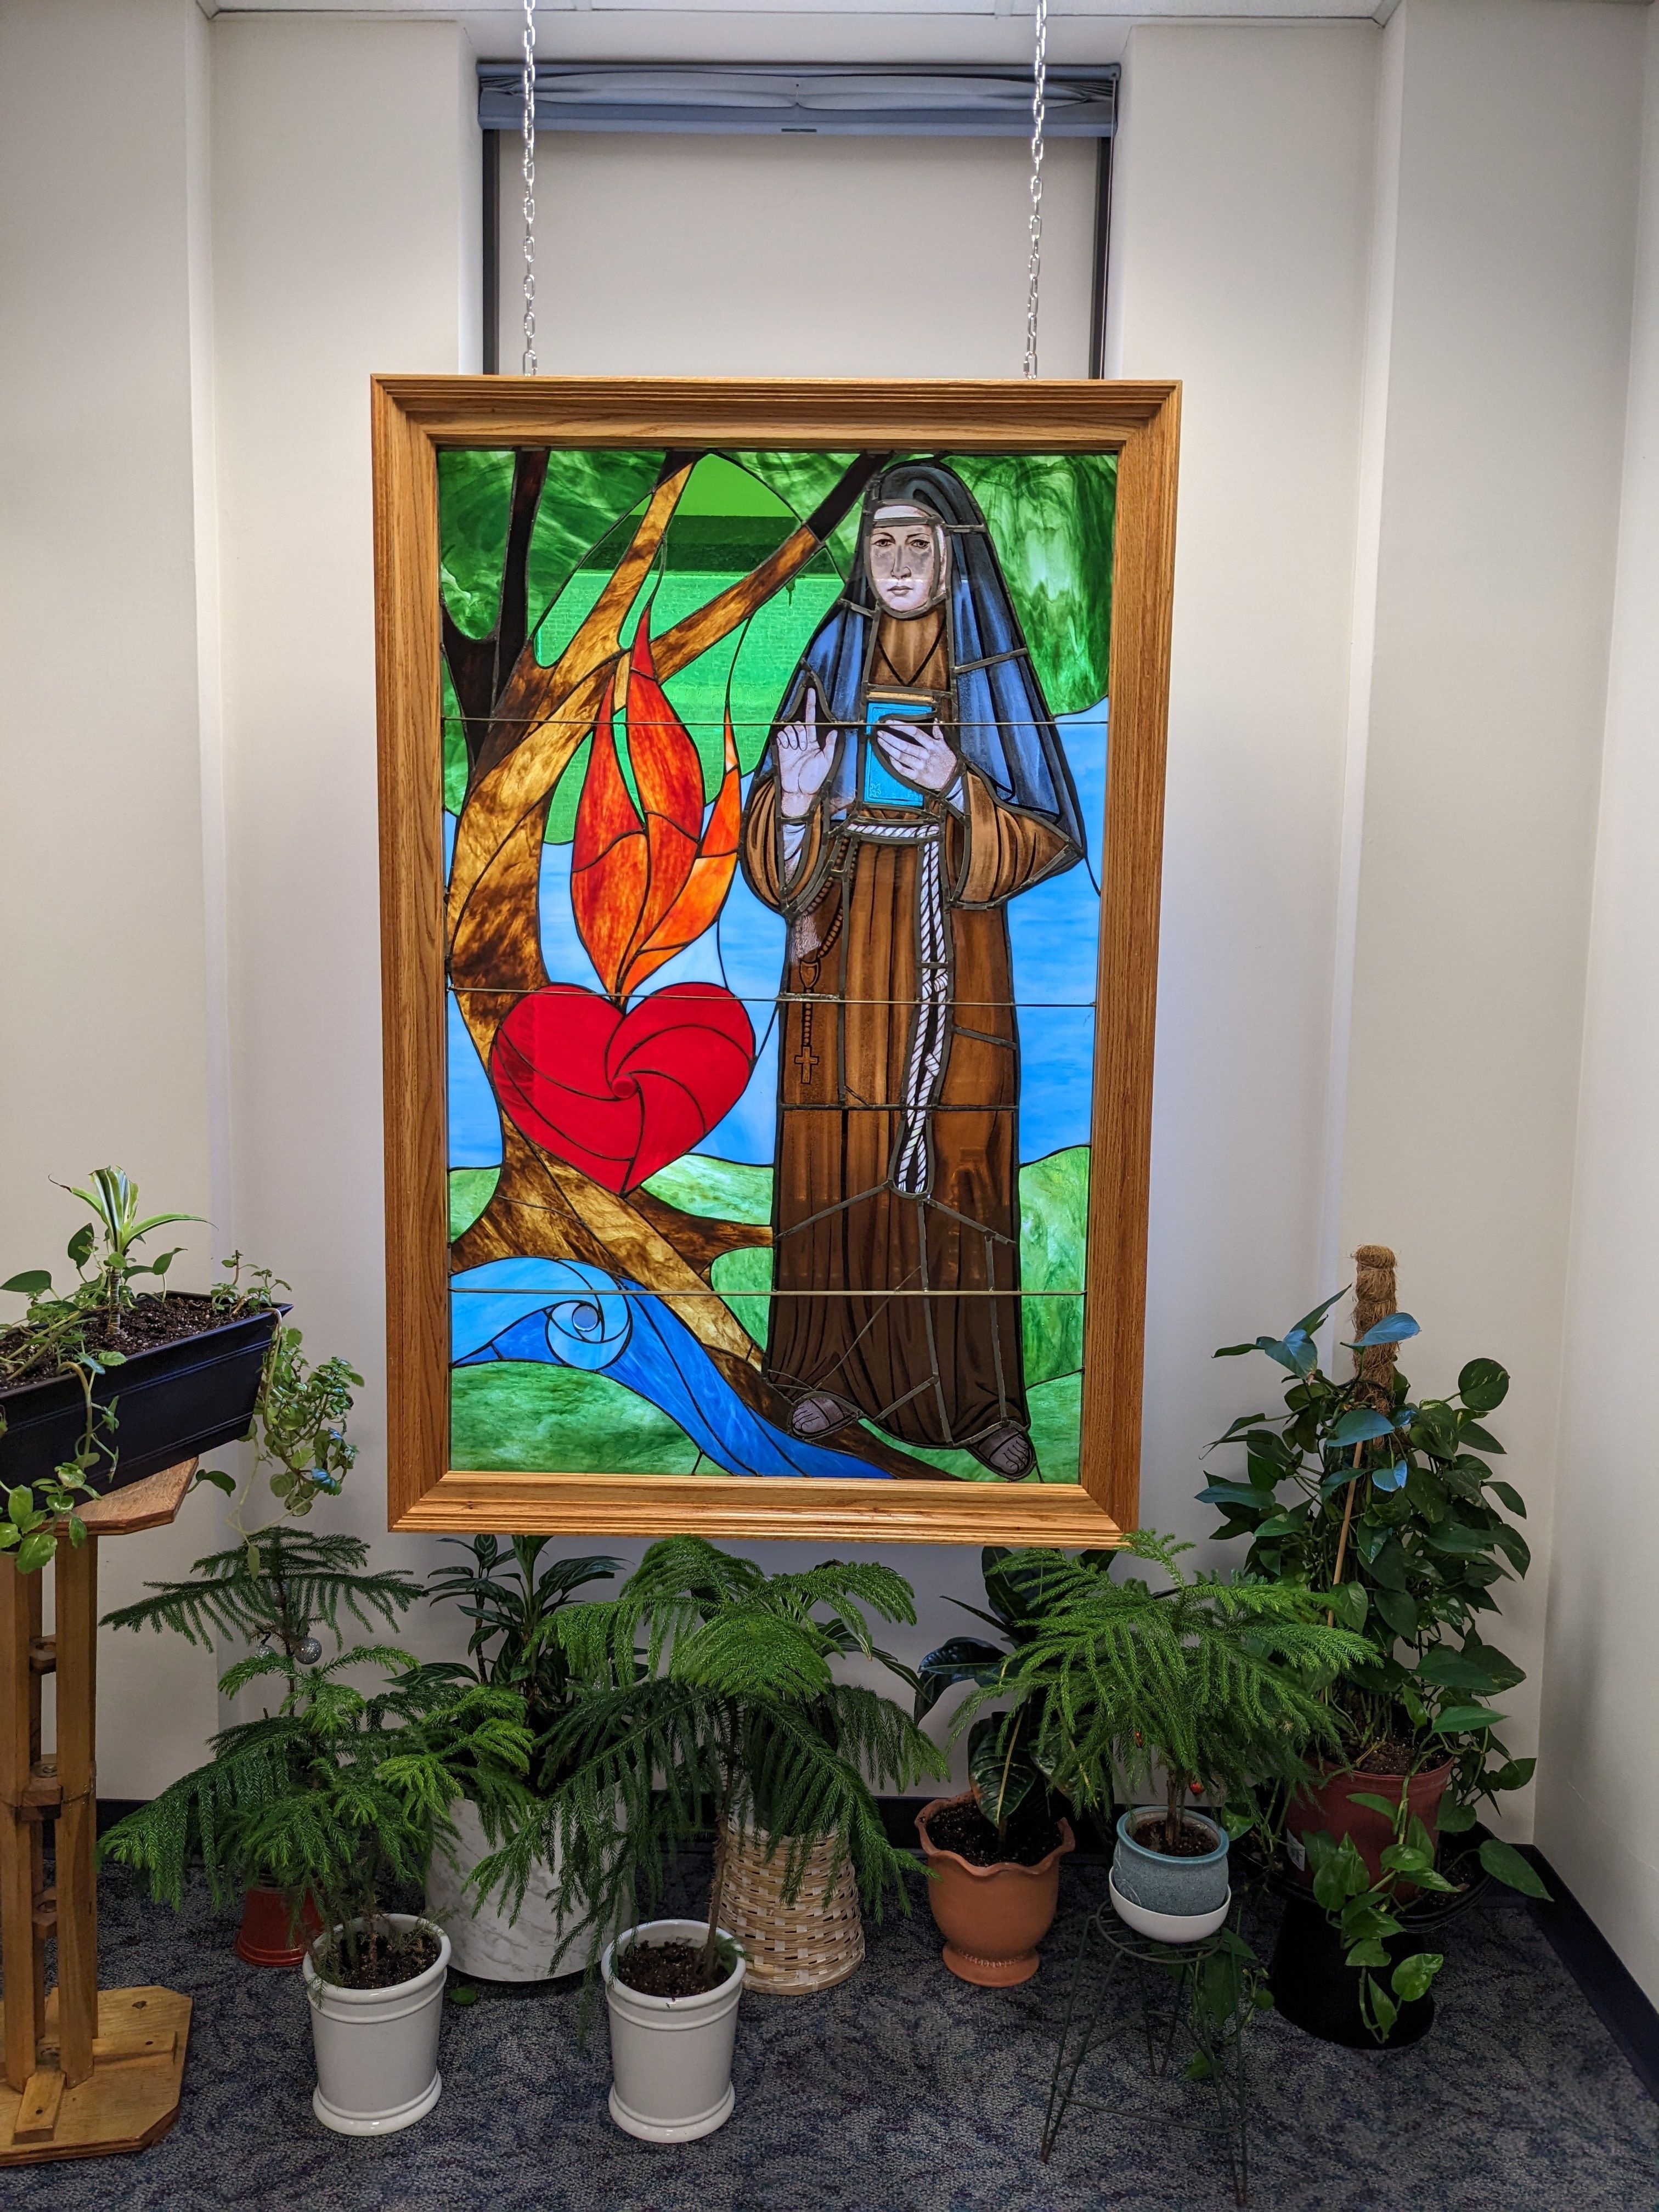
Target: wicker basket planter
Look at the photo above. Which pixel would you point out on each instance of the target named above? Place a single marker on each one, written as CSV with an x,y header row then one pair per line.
x,y
790,1949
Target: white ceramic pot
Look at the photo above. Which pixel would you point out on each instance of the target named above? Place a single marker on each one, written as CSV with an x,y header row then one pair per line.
x,y
671,2057
487,1942
1168,1927
377,2050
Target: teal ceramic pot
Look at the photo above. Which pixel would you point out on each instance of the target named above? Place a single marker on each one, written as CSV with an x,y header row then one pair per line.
x,y
1185,1887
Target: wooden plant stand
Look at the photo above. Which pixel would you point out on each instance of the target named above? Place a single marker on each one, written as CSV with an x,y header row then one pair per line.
x,y
88,2071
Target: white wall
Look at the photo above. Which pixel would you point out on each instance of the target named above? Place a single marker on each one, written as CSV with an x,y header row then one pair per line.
x,y
796,257
1506,330
103,974
1240,246
1598,1792
346,240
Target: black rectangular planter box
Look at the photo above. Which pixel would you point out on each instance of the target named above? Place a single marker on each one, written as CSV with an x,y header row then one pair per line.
x,y
172,1402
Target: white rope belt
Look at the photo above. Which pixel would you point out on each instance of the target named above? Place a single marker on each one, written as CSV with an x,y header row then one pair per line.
x,y
925,1065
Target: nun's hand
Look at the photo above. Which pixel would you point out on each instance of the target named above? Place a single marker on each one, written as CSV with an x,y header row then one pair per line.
x,y
921,755
805,754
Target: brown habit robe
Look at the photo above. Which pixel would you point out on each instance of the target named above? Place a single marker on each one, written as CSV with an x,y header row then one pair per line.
x,y
885,1249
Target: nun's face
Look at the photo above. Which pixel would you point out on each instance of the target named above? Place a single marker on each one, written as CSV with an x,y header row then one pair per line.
x,y
905,559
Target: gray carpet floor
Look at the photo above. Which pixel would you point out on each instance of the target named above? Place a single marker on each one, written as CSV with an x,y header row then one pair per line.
x,y
902,2091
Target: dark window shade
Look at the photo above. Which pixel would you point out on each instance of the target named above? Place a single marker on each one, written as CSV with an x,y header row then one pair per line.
x,y
831,101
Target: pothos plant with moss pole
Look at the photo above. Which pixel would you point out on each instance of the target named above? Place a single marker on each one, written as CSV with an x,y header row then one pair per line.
x,y
1388,1504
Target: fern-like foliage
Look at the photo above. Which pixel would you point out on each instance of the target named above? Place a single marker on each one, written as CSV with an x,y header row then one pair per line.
x,y
1215,1678
338,1794
282,1583
705,1688
513,1603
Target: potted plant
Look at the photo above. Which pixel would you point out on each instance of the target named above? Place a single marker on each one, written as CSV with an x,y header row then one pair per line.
x,y
994,1852
103,1384
1388,1504
274,1591
707,1697
340,1797
1212,1683
513,1603
1334,1952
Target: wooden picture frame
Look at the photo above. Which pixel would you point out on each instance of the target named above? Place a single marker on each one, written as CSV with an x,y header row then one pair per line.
x,y
414,418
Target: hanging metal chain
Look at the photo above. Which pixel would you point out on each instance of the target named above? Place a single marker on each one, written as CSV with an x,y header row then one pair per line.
x,y
530,187
1039,100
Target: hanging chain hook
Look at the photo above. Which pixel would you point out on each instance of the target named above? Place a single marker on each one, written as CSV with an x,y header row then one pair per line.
x,y
1039,103
530,187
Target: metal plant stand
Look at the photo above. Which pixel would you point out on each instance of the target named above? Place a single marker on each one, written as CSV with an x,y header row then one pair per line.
x,y
1192,1999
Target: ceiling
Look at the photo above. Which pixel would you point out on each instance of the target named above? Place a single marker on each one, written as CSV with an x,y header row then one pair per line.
x,y
815,30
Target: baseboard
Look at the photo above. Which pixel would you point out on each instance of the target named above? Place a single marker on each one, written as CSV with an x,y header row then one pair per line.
x,y
111,1810
1614,1995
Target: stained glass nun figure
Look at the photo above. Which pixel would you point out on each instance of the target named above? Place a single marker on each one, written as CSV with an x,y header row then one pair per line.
x,y
914,782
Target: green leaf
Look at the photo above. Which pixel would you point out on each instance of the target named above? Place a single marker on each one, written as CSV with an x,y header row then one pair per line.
x,y
217,1477
1393,1328
1514,1775
1003,1774
1295,1352
1411,1977
1455,1820
1370,1953
1514,1546
30,1283
1359,1425
1243,1496
1504,1863
1483,1385
35,1550
1469,1669
1509,1495
1399,1610
1383,2010
1459,1542
1283,1524
1482,1439
1389,1567
1465,1720
1386,1807
463,1993
1349,1605
1405,1859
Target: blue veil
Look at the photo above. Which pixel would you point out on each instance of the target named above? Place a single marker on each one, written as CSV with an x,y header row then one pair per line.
x,y
1004,729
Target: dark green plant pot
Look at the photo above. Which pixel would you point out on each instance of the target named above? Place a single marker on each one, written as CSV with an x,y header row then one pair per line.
x,y
1316,1990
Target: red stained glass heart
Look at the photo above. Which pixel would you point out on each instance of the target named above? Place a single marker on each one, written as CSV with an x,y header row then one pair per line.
x,y
621,1095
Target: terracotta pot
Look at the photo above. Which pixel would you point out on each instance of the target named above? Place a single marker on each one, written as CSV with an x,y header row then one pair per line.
x,y
1331,1806
264,1938
992,1918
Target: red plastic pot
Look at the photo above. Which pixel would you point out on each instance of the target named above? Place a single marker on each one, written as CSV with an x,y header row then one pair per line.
x,y
266,1936
1331,1806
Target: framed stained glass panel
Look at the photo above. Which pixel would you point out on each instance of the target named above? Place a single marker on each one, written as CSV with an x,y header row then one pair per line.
x,y
771,787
